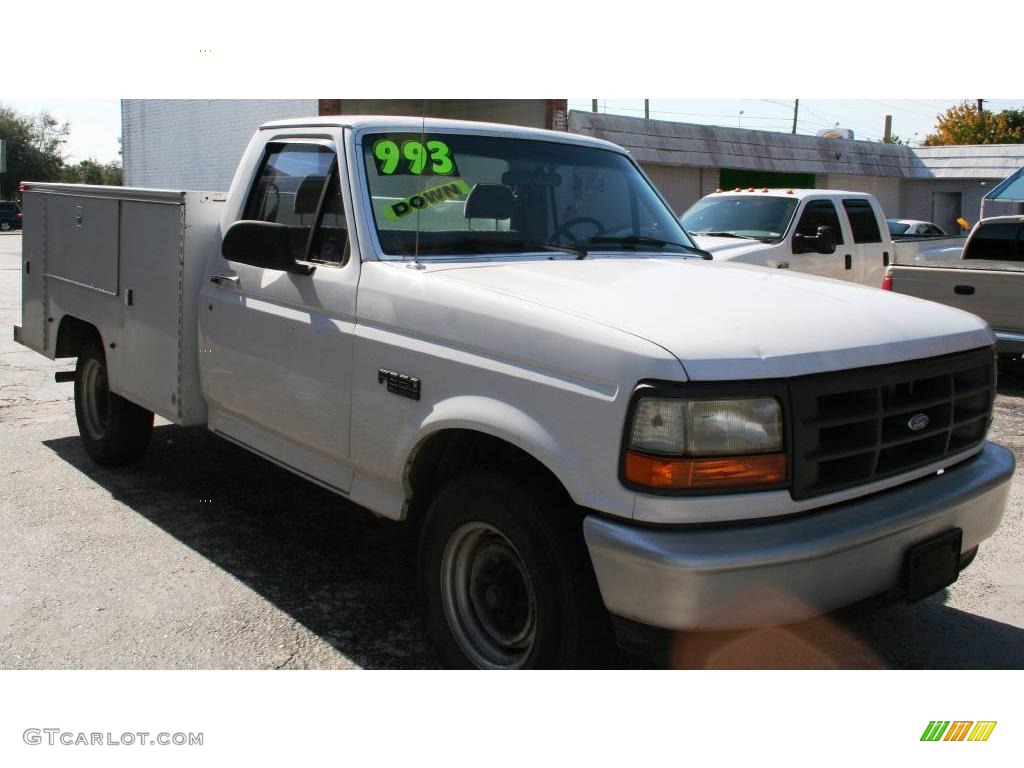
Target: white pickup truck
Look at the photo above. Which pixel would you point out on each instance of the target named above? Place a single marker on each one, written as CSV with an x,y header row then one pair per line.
x,y
987,278
504,336
825,232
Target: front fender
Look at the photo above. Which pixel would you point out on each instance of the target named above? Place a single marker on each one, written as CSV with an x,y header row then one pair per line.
x,y
505,422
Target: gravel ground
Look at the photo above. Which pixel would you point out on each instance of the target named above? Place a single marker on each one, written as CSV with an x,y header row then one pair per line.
x,y
205,556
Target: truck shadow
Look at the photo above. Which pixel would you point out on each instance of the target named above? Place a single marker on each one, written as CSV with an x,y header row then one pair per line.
x,y
351,578
1011,380
344,574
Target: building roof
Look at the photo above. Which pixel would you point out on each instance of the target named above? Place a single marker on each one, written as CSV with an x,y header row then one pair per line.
x,y
670,143
975,161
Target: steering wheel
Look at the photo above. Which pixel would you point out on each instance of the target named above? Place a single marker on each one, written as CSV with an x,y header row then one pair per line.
x,y
564,227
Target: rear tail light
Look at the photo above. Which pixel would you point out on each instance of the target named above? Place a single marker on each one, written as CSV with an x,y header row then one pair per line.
x,y
887,280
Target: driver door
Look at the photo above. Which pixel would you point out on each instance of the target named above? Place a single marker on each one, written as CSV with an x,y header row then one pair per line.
x,y
277,345
818,213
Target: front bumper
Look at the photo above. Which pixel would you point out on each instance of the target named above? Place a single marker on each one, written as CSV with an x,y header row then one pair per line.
x,y
1009,343
774,572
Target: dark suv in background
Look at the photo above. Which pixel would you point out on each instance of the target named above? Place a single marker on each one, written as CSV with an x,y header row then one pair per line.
x,y
10,216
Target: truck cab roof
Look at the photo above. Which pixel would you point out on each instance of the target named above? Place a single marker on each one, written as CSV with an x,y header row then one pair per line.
x,y
436,124
799,194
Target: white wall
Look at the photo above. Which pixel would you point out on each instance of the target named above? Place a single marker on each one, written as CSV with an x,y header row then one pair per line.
x,y
195,143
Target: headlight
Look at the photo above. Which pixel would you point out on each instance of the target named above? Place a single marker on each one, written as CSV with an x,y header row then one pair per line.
x,y
677,443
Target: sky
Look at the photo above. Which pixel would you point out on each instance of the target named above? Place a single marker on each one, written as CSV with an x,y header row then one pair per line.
x,y
96,123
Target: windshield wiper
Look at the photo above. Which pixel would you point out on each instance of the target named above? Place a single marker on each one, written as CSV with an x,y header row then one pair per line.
x,y
576,250
484,245
632,241
725,234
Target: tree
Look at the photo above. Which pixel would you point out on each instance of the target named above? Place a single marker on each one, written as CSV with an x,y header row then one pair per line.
x,y
964,124
91,172
895,139
35,148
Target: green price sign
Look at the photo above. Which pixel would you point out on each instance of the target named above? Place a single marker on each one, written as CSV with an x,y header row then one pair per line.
x,y
414,157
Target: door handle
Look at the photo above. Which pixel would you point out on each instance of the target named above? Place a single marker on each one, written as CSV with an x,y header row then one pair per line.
x,y
963,290
222,280
782,265
849,261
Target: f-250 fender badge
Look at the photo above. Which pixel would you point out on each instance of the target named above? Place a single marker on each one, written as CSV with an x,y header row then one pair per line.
x,y
399,383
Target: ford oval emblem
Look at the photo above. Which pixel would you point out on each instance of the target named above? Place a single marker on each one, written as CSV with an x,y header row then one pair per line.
x,y
918,422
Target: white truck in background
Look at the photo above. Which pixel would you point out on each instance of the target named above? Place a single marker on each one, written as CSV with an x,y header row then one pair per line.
x,y
504,336
825,232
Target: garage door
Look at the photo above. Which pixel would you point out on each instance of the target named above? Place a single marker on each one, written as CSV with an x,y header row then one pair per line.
x,y
679,185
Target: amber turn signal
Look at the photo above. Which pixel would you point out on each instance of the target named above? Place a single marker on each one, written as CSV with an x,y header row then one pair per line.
x,y
668,473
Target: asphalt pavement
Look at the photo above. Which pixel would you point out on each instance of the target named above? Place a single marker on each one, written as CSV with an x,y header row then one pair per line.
x,y
206,556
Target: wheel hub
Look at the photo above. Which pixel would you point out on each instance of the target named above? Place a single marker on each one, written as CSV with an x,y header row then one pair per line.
x,y
488,597
95,397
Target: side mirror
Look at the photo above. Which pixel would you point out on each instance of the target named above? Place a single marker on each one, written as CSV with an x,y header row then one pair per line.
x,y
826,239
264,244
822,241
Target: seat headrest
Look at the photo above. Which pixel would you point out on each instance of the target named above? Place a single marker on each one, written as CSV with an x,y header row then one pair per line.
x,y
489,201
307,196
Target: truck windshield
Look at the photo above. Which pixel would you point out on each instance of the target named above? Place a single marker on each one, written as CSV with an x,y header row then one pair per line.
x,y
447,193
759,218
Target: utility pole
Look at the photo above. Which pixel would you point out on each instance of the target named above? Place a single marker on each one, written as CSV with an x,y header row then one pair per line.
x,y
796,111
593,105
887,134
647,109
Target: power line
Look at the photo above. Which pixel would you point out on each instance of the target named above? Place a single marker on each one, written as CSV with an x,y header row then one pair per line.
x,y
896,106
825,122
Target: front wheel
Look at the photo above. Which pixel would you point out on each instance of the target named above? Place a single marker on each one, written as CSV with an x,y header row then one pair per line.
x,y
507,582
115,431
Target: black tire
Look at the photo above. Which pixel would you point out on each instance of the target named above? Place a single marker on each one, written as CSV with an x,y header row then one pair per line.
x,y
1010,365
495,617
115,431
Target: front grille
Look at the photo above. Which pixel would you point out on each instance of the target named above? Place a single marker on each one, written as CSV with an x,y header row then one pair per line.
x,y
854,427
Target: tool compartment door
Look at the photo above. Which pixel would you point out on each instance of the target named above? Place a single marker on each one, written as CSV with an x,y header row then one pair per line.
x,y
81,241
33,270
151,247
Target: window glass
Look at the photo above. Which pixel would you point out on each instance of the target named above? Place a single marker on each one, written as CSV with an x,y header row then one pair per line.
x,y
862,221
931,229
820,213
999,240
446,194
898,227
761,218
288,189
330,244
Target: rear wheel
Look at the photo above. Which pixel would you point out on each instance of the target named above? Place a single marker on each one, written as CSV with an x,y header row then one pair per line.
x,y
507,581
115,431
